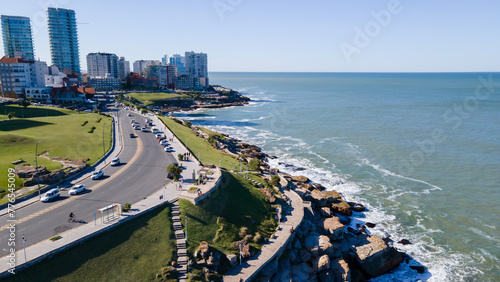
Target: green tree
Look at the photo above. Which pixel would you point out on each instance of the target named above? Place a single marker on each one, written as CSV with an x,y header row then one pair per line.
x,y
25,103
187,123
254,164
175,171
143,111
11,115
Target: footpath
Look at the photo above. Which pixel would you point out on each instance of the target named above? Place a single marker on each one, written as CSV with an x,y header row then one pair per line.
x,y
248,269
169,193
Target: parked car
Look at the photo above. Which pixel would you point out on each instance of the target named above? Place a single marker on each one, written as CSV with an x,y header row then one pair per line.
x,y
132,135
132,121
164,143
77,189
158,136
115,162
136,127
50,195
144,129
168,149
129,115
97,174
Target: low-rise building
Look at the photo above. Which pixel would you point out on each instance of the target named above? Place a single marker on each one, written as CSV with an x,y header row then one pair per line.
x,y
18,74
104,83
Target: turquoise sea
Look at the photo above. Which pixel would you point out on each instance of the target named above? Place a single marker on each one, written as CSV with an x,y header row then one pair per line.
x,y
421,151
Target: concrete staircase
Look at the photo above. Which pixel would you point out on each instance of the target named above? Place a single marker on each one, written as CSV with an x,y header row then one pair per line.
x,y
182,257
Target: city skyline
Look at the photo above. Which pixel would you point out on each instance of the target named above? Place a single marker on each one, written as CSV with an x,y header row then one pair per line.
x,y
378,36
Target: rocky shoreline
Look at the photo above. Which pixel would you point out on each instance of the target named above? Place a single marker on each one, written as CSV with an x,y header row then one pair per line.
x,y
328,245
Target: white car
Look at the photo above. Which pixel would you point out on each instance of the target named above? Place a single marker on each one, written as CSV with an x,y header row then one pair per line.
x,y
168,149
164,143
144,129
50,195
115,162
97,174
136,127
158,135
77,189
129,115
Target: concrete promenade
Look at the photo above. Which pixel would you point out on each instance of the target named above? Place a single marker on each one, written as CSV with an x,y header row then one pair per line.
x,y
275,246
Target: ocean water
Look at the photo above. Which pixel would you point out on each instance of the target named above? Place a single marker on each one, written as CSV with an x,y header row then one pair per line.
x,y
420,151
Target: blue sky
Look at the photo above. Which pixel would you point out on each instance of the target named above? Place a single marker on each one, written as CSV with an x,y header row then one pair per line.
x,y
291,35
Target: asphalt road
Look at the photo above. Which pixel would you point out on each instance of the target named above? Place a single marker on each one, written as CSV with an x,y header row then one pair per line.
x,y
120,184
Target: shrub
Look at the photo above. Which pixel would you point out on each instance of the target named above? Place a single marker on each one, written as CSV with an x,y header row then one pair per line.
x,y
126,207
254,164
257,238
187,123
98,120
55,238
85,122
143,111
193,188
212,138
243,232
275,180
177,120
91,130
180,157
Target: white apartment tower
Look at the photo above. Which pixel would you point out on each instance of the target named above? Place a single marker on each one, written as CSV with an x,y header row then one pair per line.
x,y
103,65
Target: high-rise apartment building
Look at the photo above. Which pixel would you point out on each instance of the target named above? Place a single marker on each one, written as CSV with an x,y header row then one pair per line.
x,y
17,37
123,68
63,38
103,65
196,64
178,61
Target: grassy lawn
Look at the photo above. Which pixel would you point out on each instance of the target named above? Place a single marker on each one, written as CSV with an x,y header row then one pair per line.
x,y
208,154
218,219
151,96
31,111
134,251
64,136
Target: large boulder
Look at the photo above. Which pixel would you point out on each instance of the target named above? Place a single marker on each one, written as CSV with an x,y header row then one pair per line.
x,y
326,212
373,254
300,179
341,271
318,245
29,171
323,199
203,250
305,228
342,207
333,227
321,263
303,272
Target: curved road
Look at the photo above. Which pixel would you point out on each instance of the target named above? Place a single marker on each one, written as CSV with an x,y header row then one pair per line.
x,y
142,172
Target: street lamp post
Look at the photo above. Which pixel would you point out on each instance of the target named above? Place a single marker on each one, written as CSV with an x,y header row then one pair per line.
x,y
36,166
24,247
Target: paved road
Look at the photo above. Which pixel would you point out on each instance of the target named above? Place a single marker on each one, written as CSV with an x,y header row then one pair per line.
x,y
142,172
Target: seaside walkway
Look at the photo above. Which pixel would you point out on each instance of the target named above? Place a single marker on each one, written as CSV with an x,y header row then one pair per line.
x,y
275,246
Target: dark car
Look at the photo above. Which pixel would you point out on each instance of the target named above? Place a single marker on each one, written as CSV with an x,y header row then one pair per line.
x,y
132,135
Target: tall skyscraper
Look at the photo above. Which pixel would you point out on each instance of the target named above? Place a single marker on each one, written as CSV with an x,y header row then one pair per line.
x,y
103,65
123,68
196,64
17,37
63,37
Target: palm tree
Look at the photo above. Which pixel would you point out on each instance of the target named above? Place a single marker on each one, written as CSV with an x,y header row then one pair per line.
x,y
11,115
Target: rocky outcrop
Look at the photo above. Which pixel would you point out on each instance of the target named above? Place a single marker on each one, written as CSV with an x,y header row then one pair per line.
x,y
321,263
300,179
326,212
28,171
333,228
342,208
373,254
318,245
341,270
